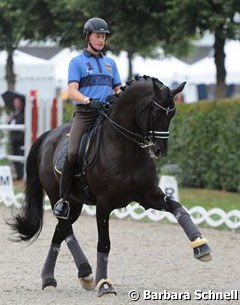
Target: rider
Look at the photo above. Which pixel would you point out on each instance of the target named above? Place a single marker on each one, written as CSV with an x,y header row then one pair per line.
x,y
92,77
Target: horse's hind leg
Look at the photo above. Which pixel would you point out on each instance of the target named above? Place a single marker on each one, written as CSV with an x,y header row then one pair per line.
x,y
47,274
64,231
84,269
157,200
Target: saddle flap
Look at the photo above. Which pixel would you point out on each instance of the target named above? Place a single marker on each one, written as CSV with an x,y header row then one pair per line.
x,y
82,153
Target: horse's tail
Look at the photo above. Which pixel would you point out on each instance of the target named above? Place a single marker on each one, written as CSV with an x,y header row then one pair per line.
x,y
27,223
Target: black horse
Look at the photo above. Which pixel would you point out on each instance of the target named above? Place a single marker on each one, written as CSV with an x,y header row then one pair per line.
x,y
136,130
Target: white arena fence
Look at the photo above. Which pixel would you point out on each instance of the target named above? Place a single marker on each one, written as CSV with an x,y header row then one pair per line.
x,y
43,123
215,217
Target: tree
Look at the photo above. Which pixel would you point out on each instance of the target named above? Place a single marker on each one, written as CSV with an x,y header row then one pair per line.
x,y
134,25
187,17
138,27
126,20
9,38
21,20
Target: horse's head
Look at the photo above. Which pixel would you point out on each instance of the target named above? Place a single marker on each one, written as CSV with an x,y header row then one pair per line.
x,y
143,111
155,117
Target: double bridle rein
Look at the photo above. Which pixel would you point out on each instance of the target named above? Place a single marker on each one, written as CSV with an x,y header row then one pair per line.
x,y
147,140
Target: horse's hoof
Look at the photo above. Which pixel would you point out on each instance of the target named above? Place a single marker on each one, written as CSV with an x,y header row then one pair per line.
x,y
105,287
205,258
201,250
88,282
49,283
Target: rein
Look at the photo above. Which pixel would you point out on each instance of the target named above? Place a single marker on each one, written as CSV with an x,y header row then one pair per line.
x,y
148,139
143,142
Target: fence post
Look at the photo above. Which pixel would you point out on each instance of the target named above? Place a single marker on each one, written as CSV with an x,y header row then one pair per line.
x,y
54,113
59,111
33,94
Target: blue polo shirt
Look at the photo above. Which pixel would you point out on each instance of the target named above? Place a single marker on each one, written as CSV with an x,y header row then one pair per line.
x,y
97,75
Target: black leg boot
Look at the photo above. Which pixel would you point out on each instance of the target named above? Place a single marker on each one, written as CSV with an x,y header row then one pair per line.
x,y
61,208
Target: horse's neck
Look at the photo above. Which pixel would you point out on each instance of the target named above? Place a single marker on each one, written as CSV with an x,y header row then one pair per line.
x,y
123,113
126,107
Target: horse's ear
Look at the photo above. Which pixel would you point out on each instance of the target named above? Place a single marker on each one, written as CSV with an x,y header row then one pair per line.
x,y
178,89
158,88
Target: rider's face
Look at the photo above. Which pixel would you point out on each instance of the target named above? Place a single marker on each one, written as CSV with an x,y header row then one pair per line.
x,y
97,40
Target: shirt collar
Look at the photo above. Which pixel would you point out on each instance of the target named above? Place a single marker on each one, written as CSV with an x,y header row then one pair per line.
x,y
89,54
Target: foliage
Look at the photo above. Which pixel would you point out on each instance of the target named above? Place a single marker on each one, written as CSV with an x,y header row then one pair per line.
x,y
68,110
186,18
204,143
125,18
23,20
138,27
4,162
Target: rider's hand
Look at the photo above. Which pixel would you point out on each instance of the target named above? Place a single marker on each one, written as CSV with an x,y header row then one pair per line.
x,y
95,104
107,107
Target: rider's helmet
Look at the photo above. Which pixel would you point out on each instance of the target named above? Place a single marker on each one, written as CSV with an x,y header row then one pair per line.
x,y
95,25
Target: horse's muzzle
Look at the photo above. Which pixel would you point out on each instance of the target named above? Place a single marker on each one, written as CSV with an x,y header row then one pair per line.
x,y
159,149
158,152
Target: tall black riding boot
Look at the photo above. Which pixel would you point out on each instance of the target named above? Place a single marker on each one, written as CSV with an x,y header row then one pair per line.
x,y
61,208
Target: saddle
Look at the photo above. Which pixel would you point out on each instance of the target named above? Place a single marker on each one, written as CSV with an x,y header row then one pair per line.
x,y
82,162
90,142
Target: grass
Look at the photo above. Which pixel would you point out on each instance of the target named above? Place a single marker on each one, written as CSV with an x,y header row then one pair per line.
x,y
209,199
190,197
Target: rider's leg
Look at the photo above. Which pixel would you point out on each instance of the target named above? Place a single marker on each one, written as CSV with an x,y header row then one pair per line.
x,y
82,121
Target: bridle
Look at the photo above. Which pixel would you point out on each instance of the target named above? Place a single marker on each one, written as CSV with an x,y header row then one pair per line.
x,y
167,109
160,134
148,139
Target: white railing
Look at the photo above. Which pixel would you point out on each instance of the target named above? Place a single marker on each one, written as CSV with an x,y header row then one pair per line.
x,y
215,217
198,214
44,123
27,127
19,127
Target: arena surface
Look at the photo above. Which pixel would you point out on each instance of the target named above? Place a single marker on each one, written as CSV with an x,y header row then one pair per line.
x,y
144,256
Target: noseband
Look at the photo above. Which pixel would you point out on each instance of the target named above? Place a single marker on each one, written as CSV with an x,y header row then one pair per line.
x,y
153,134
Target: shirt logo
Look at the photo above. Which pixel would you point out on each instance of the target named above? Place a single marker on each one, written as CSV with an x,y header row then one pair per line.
x,y
109,68
89,67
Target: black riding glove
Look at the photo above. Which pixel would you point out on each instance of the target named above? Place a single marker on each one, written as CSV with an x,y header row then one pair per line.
x,y
94,104
107,107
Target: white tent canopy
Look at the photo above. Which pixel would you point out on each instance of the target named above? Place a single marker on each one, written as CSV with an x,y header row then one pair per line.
x,y
60,62
204,71
167,70
122,64
26,66
32,73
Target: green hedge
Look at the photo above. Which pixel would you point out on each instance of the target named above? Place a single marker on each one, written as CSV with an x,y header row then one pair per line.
x,y
68,110
205,144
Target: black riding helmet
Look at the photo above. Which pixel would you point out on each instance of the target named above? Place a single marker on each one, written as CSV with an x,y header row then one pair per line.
x,y
95,25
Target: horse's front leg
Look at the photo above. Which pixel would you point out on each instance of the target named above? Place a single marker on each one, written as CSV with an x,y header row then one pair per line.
x,y
104,285
159,201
